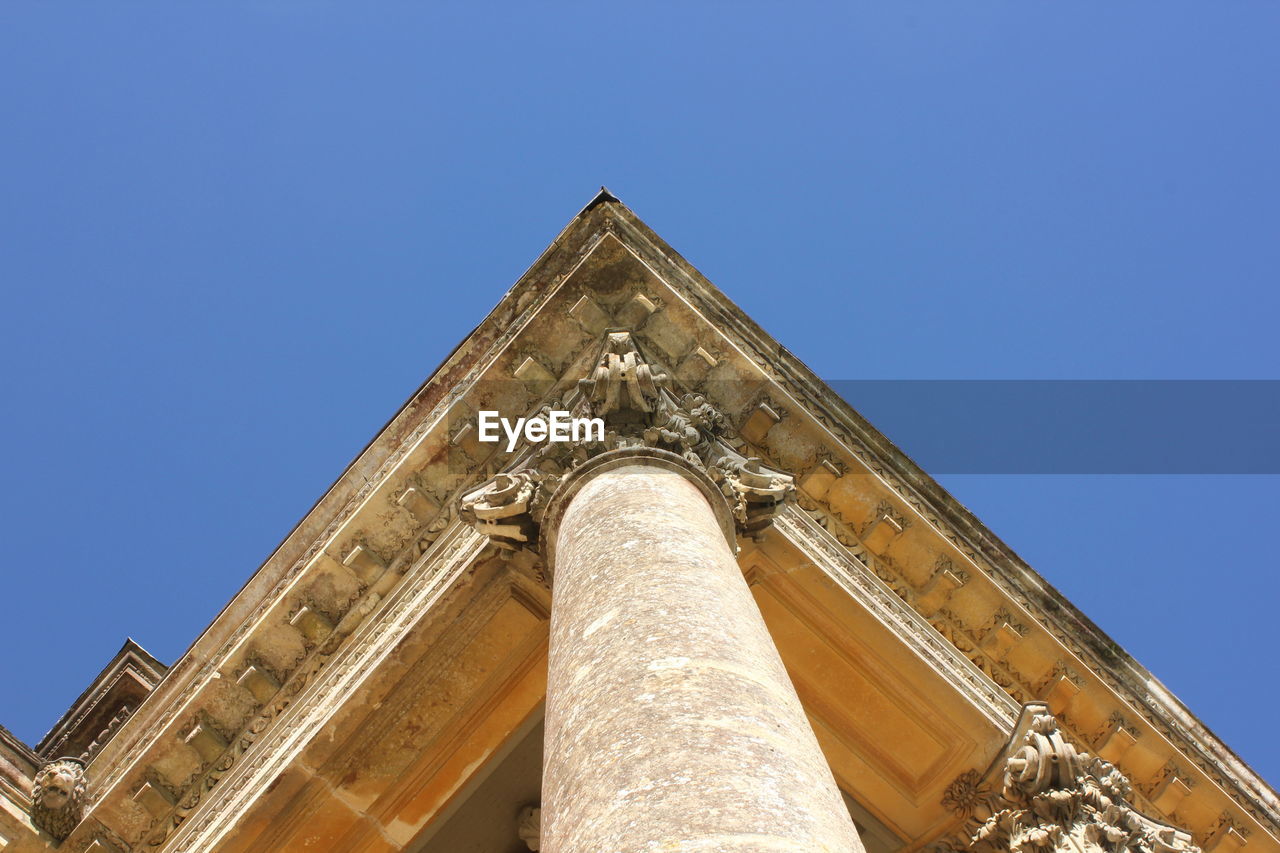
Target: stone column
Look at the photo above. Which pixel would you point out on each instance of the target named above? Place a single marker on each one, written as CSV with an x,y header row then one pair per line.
x,y
671,722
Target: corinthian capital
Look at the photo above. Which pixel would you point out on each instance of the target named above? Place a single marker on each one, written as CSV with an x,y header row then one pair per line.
x,y
632,397
1055,798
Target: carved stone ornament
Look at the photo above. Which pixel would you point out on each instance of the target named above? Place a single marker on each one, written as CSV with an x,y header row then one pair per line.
x,y
59,795
1046,796
504,508
529,827
638,408
964,794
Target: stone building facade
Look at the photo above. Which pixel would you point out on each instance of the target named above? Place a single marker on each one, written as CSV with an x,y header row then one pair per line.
x,y
738,620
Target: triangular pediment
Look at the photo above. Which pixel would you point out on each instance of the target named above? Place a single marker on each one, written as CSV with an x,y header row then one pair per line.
x,y
387,652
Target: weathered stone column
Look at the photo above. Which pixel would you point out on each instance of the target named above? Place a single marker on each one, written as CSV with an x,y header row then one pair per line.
x,y
671,722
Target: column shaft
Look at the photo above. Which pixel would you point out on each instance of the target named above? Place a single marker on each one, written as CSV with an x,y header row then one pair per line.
x,y
671,722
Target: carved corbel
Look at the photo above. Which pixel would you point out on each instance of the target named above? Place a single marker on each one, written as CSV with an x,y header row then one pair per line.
x,y
258,680
886,526
817,482
1170,789
155,795
622,379
1227,836
365,563
59,795
762,418
105,841
313,625
466,439
696,364
589,315
1060,687
534,374
418,501
637,310
207,738
945,580
1116,737
1003,633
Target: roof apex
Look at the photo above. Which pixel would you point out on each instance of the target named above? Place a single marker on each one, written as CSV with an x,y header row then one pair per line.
x,y
602,196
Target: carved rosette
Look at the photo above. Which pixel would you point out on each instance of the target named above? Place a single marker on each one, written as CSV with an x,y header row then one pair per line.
x,y
59,795
1053,798
964,795
638,408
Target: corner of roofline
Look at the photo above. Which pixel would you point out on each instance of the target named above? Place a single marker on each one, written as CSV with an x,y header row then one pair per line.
x,y
601,197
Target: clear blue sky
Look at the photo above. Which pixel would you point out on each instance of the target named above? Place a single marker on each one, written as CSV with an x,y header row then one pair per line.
x,y
234,237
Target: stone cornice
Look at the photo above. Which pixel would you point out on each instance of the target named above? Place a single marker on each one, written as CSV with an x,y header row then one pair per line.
x,y
427,580
848,566
18,765
9,742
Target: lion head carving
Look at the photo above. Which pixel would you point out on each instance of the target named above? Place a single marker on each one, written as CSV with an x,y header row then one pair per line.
x,y
58,796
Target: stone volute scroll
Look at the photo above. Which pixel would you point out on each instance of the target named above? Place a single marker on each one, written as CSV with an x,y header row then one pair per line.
x,y
59,796
1041,795
634,399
